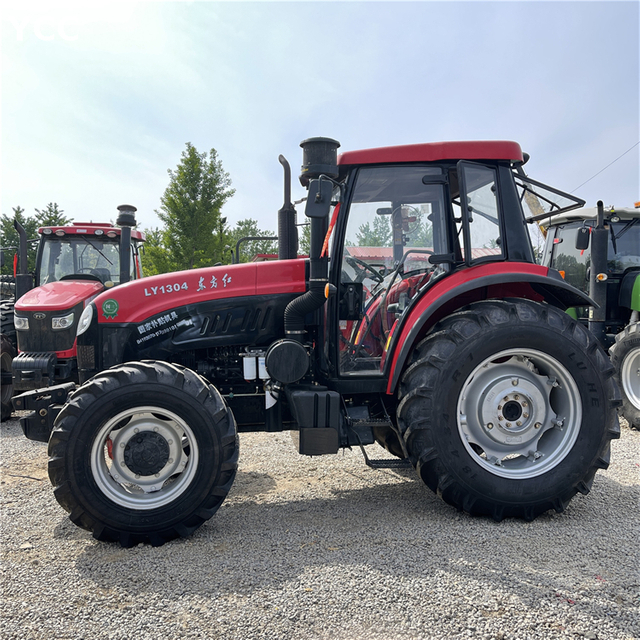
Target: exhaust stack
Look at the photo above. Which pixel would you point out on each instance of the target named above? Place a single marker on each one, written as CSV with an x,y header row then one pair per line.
x,y
126,221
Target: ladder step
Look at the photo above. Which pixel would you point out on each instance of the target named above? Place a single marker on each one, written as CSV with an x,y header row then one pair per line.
x,y
392,463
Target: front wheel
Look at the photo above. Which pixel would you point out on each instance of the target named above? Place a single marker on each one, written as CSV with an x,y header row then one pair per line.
x,y
143,452
508,409
625,356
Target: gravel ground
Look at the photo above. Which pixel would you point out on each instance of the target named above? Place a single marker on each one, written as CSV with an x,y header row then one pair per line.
x,y
324,548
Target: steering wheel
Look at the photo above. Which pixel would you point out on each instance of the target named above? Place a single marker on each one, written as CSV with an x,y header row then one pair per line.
x,y
362,268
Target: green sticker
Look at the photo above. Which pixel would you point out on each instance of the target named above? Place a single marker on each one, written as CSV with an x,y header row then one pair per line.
x,y
110,308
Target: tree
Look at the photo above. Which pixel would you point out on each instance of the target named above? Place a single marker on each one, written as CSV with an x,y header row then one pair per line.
x,y
10,240
249,228
155,257
51,216
378,235
195,232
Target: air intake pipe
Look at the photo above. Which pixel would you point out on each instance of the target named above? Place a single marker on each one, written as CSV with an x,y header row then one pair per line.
x,y
319,159
126,221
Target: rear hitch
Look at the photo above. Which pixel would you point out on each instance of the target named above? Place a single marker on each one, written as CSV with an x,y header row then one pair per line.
x,y
45,405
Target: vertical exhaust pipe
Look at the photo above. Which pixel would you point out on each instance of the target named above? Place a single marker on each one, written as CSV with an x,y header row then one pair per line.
x,y
598,276
126,221
24,281
287,230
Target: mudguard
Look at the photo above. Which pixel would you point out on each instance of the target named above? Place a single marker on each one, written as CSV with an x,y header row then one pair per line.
x,y
493,280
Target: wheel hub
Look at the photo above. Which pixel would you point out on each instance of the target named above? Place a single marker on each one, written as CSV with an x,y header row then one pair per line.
x,y
519,413
510,406
146,453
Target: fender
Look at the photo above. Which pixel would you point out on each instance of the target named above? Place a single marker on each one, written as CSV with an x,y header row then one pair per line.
x,y
494,280
629,296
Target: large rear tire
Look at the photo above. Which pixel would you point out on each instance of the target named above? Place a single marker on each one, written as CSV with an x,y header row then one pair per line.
x,y
7,354
625,356
7,325
508,409
143,452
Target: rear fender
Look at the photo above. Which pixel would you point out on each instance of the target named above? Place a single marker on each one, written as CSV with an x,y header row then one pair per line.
x,y
484,282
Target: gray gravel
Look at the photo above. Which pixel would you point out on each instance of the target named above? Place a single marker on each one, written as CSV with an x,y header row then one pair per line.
x,y
324,548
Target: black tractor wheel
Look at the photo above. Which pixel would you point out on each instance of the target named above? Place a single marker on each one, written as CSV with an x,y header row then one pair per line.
x,y
7,354
143,452
508,409
625,356
7,325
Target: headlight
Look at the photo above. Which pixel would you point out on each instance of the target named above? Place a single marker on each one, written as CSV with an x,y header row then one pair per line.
x,y
62,322
85,320
21,324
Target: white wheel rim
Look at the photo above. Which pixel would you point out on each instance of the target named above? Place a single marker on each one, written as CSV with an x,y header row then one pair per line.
x,y
519,413
630,377
144,458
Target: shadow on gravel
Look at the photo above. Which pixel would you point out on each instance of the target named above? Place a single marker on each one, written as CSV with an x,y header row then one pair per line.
x,y
397,530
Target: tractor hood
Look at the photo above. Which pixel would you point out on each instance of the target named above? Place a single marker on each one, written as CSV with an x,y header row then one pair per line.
x,y
140,299
58,296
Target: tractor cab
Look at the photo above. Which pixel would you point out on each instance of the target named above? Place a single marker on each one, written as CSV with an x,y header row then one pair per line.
x,y
404,219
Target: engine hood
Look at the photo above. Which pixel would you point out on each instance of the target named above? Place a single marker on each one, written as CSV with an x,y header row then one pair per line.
x,y
58,296
139,299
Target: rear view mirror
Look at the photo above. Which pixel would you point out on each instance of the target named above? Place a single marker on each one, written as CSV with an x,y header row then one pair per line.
x,y
319,199
582,238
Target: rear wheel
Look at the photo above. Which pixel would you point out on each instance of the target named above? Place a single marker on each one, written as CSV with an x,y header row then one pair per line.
x,y
625,355
7,354
508,409
7,325
143,452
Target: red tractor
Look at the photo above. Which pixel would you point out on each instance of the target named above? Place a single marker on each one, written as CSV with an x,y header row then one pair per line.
x,y
74,264
420,321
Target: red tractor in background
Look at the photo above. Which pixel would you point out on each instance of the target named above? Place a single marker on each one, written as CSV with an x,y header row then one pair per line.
x,y
451,348
74,264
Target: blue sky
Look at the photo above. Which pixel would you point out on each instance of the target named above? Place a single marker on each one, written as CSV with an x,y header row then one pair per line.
x,y
99,99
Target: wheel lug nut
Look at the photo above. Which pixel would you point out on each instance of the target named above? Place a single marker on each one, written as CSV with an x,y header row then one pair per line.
x,y
525,415
514,382
519,423
508,424
499,407
506,398
489,426
524,403
500,418
517,397
537,425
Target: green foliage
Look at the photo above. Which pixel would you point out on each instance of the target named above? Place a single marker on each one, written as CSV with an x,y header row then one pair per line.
x,y
155,256
249,228
51,215
195,233
377,235
304,235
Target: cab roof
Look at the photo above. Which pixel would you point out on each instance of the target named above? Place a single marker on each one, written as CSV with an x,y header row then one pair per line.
x,y
434,151
589,213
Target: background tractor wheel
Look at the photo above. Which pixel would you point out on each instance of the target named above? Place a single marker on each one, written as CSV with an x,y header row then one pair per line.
x,y
625,355
143,452
7,354
508,409
7,325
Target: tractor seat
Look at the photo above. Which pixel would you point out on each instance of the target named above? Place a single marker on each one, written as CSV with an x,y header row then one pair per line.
x,y
102,273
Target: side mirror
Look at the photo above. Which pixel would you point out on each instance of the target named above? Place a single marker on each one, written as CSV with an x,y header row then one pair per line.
x,y
582,238
319,199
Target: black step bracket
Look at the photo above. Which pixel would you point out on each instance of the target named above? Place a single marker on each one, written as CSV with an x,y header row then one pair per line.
x,y
45,405
391,463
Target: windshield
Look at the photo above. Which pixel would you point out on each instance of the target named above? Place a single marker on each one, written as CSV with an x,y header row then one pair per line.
x,y
77,256
574,263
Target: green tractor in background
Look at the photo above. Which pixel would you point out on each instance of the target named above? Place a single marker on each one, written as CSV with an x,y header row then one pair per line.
x,y
598,251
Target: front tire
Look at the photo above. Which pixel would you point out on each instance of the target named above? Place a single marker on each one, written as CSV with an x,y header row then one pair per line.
x,y
508,409
143,452
625,356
